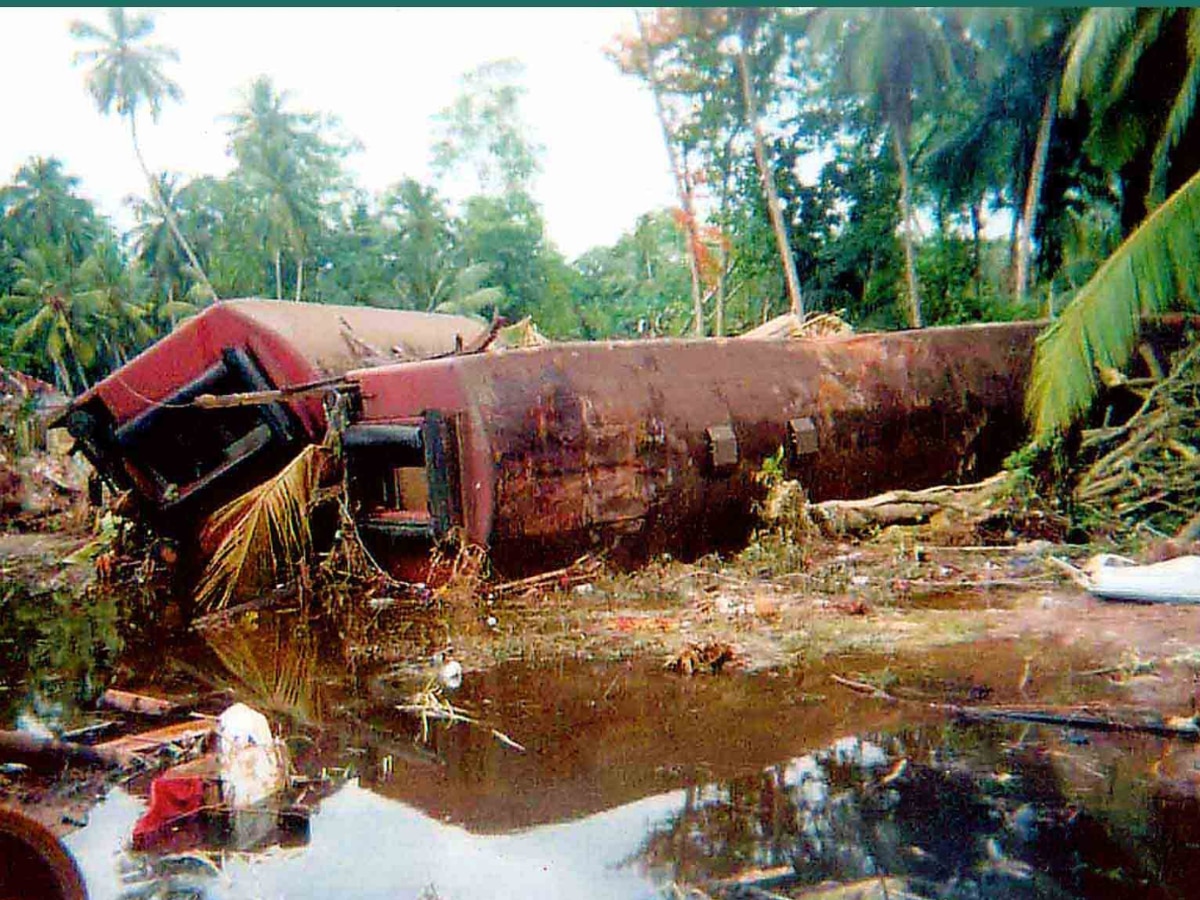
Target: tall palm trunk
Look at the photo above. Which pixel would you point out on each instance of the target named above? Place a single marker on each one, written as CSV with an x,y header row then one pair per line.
x,y
906,210
681,183
278,274
719,317
778,225
156,198
299,277
977,248
1033,191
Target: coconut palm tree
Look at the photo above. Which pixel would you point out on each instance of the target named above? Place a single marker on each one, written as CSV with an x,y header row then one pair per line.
x,y
1123,63
157,251
1153,270
110,286
127,74
290,165
748,30
41,206
893,58
54,315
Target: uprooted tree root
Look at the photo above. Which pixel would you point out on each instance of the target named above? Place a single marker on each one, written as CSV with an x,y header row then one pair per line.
x,y
991,508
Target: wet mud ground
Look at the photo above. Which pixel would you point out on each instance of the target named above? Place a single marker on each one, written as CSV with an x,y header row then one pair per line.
x,y
769,779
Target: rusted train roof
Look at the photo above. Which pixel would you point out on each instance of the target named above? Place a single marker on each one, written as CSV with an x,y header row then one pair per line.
x,y
294,342
338,338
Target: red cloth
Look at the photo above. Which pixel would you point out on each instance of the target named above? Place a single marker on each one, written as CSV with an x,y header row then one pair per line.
x,y
171,799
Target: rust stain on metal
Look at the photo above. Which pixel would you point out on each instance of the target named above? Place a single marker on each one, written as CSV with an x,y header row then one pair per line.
x,y
541,454
641,447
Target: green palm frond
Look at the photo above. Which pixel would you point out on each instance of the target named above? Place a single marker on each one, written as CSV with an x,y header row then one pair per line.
x,y
468,295
1145,36
263,532
1093,42
1180,114
1152,270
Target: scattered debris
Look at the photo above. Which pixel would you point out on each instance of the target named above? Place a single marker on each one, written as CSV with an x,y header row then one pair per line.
x,y
697,658
791,327
429,705
178,739
1143,471
252,764
1081,717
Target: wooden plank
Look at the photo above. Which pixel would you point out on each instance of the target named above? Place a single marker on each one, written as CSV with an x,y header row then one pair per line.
x,y
131,745
142,704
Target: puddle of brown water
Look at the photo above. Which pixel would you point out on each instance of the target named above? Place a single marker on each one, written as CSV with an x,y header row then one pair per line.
x,y
956,598
952,811
633,778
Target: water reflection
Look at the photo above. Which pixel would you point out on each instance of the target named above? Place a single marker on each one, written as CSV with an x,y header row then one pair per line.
x,y
55,649
956,812
952,812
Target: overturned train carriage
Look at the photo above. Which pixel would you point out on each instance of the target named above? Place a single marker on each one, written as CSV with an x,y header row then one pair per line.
x,y
141,430
542,454
636,448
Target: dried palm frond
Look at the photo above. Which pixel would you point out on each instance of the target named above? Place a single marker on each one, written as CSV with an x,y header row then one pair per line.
x,y
459,567
275,675
263,532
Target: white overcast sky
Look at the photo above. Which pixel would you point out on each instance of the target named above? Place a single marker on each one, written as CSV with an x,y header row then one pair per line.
x,y
384,72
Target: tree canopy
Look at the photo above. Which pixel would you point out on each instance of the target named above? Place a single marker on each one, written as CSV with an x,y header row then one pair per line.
x,y
900,166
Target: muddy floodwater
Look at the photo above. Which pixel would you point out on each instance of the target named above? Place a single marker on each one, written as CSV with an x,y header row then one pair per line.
x,y
637,783
581,767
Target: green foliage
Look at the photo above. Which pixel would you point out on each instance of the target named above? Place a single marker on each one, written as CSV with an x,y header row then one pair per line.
x,y
290,165
1152,270
482,131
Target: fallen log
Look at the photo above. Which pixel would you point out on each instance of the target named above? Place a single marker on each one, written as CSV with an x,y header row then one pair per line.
x,y
45,753
141,704
905,507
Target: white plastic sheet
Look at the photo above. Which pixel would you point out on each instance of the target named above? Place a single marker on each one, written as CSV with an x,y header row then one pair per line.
x,y
1113,577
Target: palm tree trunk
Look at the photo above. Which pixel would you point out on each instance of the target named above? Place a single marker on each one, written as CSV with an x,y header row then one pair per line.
x,y
278,275
299,277
719,323
156,198
772,195
64,379
977,248
681,184
1033,191
906,210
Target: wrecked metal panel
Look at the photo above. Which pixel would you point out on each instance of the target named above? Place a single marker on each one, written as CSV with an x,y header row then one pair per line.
x,y
138,428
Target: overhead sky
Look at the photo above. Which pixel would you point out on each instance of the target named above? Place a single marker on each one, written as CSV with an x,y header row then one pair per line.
x,y
383,72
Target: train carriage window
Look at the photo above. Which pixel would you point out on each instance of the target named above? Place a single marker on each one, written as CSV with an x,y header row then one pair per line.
x,y
180,447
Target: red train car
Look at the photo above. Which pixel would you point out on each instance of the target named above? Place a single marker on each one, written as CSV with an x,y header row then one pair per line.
x,y
139,428
643,447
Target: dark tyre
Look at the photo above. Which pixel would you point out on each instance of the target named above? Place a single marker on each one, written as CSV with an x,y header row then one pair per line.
x,y
33,864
